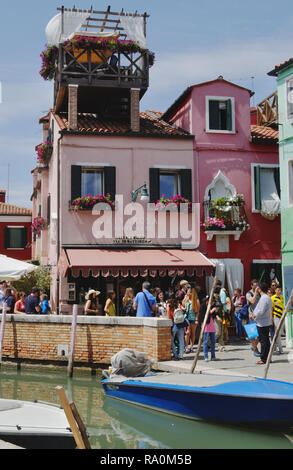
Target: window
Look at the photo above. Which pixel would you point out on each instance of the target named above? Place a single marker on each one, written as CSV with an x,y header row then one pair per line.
x,y
290,98
220,114
15,237
91,181
169,184
266,185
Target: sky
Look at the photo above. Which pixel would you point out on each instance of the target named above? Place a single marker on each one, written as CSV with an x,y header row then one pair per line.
x,y
193,41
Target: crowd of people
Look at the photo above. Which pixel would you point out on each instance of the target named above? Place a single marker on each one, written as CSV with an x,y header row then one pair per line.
x,y
186,306
33,303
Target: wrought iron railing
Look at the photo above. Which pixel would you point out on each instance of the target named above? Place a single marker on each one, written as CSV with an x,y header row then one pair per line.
x,y
228,216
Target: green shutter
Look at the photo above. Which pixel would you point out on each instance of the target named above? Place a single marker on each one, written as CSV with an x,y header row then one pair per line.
x,y
48,209
214,115
110,181
257,198
75,181
186,183
154,184
229,115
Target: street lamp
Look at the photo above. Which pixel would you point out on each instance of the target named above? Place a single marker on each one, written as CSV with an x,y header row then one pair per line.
x,y
144,193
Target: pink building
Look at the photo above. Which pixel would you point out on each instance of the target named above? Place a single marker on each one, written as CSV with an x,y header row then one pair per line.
x,y
236,180
100,157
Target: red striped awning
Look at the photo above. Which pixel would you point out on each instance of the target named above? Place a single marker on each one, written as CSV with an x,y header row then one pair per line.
x,y
97,262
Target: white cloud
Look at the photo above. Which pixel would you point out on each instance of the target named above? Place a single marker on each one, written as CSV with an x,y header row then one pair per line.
x,y
237,62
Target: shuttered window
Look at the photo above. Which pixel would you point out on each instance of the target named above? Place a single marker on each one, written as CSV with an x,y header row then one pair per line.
x,y
266,185
93,181
170,183
220,114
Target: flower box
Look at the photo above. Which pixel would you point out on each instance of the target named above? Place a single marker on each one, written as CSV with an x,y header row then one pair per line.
x,y
174,203
89,201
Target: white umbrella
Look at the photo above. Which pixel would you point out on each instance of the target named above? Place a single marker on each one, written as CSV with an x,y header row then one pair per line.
x,y
12,269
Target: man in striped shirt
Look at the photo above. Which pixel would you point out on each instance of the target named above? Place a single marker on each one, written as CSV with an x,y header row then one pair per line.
x,y
277,312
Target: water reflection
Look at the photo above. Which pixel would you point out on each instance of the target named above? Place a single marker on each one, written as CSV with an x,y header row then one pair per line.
x,y
116,425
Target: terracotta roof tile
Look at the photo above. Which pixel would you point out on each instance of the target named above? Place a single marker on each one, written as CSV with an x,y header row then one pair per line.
x,y
264,134
150,126
280,67
9,209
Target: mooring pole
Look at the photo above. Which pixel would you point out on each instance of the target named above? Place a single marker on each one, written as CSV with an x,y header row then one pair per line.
x,y
72,342
3,321
204,325
281,322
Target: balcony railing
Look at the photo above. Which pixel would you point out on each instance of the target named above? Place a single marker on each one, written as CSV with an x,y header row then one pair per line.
x,y
225,215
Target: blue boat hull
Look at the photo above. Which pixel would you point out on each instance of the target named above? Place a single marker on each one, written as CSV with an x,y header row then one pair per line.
x,y
259,401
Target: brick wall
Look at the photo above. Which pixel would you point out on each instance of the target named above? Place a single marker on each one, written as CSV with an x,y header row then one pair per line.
x,y
37,337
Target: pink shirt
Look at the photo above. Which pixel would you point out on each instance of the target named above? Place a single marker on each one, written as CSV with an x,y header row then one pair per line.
x,y
210,327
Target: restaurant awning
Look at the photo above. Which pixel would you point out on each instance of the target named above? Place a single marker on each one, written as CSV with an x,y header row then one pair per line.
x,y
97,262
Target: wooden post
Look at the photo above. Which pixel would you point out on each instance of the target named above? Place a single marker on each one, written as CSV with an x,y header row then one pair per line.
x,y
2,331
76,425
203,326
290,301
72,342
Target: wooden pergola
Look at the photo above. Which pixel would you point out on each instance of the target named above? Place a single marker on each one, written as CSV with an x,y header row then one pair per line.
x,y
267,111
86,68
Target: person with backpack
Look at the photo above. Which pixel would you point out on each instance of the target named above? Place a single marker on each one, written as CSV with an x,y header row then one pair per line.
x,y
127,303
177,314
144,302
252,299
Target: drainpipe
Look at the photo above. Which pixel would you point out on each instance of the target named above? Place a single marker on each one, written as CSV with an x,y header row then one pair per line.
x,y
197,175
58,224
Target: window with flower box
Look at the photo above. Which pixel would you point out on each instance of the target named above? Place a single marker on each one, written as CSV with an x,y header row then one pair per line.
x,y
93,181
170,183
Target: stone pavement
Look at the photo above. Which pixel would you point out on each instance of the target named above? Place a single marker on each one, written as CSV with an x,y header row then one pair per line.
x,y
236,359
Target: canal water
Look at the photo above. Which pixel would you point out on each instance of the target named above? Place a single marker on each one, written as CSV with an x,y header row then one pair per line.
x,y
116,425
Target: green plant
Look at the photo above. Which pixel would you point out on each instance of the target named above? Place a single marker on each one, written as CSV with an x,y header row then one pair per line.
x,y
40,277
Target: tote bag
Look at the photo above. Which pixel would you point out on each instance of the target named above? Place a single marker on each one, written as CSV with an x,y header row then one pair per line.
x,y
251,330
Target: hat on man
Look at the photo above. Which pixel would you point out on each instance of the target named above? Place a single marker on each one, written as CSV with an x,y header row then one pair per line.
x,y
92,291
183,283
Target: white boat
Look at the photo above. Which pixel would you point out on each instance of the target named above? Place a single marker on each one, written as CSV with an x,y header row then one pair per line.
x,y
34,425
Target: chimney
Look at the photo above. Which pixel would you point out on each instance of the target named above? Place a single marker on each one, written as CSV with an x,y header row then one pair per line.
x,y
72,106
2,195
134,110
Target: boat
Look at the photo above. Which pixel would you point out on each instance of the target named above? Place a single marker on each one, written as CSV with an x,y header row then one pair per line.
x,y
212,397
34,425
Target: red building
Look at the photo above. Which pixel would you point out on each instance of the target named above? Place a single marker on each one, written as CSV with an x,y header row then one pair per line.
x,y
15,230
236,177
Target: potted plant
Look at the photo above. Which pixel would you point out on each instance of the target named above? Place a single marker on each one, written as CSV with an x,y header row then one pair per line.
x,y
44,152
213,223
163,202
89,201
38,224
